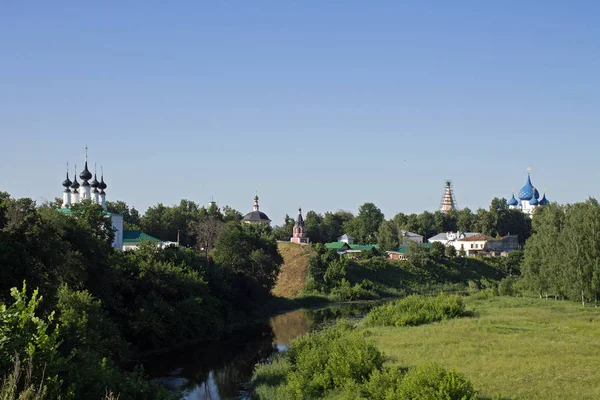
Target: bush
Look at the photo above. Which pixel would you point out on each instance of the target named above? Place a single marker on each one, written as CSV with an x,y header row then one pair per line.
x,y
432,382
506,287
340,363
319,363
416,310
345,292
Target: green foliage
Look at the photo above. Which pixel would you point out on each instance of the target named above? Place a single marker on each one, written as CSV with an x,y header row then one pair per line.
x,y
336,271
24,334
340,362
507,286
562,256
249,254
15,386
449,251
319,363
416,254
416,310
131,216
365,226
388,236
285,231
432,382
438,250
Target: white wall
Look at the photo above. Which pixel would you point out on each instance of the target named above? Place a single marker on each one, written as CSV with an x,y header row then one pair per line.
x,y
117,223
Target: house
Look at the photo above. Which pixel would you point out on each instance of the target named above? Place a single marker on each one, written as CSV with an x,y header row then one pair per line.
x,y
346,238
472,244
447,238
400,253
343,248
411,237
339,246
477,243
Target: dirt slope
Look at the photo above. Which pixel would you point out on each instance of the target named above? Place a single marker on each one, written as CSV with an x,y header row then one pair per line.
x,y
293,273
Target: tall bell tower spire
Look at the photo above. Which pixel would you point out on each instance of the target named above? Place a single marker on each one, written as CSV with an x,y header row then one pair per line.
x,y
448,201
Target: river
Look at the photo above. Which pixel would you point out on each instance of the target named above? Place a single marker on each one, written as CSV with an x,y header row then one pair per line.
x,y
221,369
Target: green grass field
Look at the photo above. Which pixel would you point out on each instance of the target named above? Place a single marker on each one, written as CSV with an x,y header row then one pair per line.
x,y
520,348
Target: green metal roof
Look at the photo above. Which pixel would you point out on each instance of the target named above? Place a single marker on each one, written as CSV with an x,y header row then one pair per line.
x,y
362,247
404,248
137,236
68,211
337,245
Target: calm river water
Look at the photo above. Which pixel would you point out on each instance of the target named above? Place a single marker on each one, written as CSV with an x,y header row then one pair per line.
x,y
221,369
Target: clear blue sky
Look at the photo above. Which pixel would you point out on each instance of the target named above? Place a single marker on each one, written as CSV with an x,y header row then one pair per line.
x,y
330,103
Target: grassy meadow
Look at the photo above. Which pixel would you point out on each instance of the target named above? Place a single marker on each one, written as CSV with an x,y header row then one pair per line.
x,y
521,348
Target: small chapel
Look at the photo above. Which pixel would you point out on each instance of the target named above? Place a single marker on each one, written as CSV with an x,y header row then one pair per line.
x,y
299,234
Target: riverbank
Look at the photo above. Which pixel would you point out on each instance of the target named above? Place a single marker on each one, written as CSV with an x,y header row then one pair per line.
x,y
221,369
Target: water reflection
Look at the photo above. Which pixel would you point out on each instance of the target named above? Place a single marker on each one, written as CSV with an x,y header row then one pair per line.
x,y
221,369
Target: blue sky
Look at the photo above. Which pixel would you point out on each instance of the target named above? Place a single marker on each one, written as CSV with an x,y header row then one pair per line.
x,y
330,104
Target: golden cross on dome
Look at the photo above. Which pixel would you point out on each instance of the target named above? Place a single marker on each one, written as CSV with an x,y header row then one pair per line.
x,y
528,170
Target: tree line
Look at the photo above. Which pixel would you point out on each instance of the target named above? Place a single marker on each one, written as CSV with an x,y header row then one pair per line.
x,y
81,310
562,257
369,226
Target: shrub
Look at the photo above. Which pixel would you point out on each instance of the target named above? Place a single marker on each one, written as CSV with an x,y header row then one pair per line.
x,y
319,363
432,382
506,287
416,310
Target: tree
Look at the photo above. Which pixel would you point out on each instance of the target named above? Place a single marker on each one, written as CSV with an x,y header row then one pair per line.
x,y
416,254
450,252
465,220
365,226
285,231
388,236
334,225
426,224
437,250
512,263
207,232
230,214
171,223
248,253
312,222
131,216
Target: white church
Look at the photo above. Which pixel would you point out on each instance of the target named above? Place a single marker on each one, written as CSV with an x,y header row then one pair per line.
x,y
94,191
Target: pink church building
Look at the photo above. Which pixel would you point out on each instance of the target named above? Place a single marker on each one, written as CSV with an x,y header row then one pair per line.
x,y
299,232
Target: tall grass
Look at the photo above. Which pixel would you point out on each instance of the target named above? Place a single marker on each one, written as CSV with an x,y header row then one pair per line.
x,y
416,310
15,386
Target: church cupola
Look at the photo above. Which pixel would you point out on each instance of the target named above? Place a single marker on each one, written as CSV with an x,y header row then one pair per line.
x,y
534,201
94,184
299,234
102,186
512,203
255,216
544,201
85,176
255,208
75,186
67,192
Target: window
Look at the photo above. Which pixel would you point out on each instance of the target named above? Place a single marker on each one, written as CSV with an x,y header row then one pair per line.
x,y
471,245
